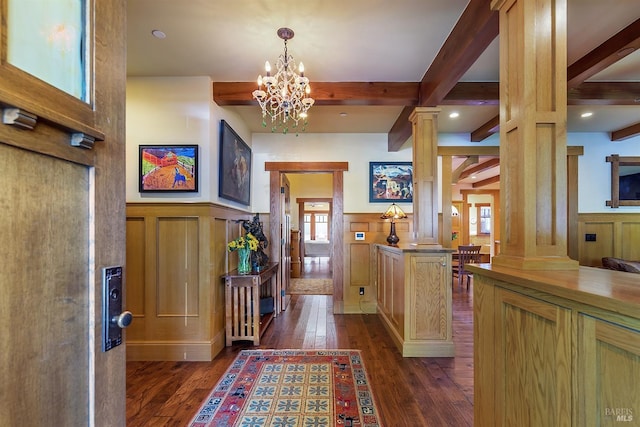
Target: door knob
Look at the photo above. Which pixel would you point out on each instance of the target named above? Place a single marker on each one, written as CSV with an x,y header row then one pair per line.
x,y
123,320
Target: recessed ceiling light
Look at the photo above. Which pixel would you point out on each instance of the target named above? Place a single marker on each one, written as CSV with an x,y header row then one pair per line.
x,y
343,114
586,114
454,115
158,34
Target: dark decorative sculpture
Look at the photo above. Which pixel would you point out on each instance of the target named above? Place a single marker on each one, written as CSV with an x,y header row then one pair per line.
x,y
259,259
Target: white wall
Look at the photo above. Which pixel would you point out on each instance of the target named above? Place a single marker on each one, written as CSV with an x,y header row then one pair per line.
x,y
594,173
177,110
357,149
174,110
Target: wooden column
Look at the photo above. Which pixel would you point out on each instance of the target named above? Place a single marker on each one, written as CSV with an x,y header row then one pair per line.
x,y
533,130
425,175
447,197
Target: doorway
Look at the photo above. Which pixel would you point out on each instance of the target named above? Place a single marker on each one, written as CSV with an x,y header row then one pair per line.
x,y
314,221
336,227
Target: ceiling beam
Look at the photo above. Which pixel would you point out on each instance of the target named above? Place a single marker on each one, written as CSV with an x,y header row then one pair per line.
x,y
492,150
604,93
328,93
470,160
609,52
587,93
475,30
473,93
628,132
491,163
485,182
473,33
400,132
486,130
406,94
467,150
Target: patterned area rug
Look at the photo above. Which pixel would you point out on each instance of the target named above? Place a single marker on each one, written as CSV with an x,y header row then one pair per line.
x,y
291,388
310,287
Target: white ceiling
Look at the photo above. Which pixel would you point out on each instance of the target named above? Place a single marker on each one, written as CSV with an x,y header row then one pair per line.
x,y
353,40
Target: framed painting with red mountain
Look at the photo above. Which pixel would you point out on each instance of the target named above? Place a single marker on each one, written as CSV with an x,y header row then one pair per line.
x,y
168,168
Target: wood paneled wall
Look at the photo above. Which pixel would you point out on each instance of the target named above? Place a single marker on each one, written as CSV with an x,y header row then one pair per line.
x,y
617,235
176,257
359,262
177,254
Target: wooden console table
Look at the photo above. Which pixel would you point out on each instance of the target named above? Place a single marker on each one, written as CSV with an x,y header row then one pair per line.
x,y
243,293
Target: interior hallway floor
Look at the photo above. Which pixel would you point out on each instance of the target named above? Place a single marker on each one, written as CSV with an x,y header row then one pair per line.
x,y
409,392
316,267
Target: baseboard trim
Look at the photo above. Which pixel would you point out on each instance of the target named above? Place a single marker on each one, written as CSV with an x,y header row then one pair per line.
x,y
202,351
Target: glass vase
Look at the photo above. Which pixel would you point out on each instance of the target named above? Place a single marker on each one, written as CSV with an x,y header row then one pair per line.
x,y
244,260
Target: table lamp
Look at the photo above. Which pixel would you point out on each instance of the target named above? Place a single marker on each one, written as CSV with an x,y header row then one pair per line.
x,y
394,212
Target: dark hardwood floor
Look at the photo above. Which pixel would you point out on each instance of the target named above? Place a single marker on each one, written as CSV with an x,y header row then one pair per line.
x,y
409,391
317,267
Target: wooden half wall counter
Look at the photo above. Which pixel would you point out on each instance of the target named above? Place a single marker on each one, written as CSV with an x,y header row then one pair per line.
x,y
176,257
359,256
555,347
415,298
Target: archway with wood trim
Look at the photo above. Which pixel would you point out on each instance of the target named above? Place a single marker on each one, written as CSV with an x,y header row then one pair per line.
x,y
276,171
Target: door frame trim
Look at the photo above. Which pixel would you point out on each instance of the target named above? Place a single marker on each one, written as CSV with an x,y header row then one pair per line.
x,y
276,169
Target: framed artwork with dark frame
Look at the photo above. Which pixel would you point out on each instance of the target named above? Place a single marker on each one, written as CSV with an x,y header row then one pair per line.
x,y
168,169
235,166
390,181
625,181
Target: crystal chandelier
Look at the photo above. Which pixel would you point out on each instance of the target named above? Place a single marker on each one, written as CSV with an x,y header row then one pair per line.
x,y
285,98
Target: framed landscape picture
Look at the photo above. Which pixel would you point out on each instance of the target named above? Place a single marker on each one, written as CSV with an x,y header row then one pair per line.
x,y
390,181
235,166
168,168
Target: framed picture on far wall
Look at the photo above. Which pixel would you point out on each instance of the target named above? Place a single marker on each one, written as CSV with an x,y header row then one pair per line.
x,y
390,181
168,168
235,166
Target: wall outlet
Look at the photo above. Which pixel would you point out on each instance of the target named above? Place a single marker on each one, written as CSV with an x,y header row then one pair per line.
x,y
361,291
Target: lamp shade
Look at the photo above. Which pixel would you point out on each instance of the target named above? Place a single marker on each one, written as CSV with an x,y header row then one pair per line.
x,y
394,212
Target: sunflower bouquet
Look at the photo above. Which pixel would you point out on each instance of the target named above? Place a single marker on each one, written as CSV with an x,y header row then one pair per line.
x,y
244,245
242,242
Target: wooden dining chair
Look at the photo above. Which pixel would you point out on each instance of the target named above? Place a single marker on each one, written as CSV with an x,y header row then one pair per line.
x,y
467,254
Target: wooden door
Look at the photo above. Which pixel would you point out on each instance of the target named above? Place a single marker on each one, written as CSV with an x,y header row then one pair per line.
x,y
63,211
45,297
285,260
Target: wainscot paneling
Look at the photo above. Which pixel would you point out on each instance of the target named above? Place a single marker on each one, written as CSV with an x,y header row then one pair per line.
x,y
359,256
176,257
616,235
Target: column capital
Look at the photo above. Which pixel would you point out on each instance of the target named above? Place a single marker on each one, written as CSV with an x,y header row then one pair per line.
x,y
421,111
